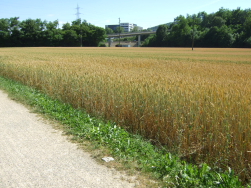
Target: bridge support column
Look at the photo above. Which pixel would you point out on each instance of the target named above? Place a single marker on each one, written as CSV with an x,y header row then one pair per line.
x,y
109,42
139,40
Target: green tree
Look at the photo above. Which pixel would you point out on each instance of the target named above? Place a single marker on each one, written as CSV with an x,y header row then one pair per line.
x,y
224,28
238,16
94,36
16,34
66,26
161,35
4,32
70,38
135,29
225,14
150,41
53,35
247,31
219,37
119,30
108,30
32,31
181,33
218,21
247,26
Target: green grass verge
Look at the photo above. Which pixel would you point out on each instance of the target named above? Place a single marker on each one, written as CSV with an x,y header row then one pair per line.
x,y
168,168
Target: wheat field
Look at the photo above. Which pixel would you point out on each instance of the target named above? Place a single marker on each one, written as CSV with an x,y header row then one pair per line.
x,y
195,103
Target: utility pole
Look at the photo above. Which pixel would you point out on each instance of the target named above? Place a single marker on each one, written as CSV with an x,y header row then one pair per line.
x,y
193,33
81,34
119,32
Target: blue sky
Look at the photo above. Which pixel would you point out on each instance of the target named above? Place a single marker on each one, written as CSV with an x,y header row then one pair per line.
x,y
145,13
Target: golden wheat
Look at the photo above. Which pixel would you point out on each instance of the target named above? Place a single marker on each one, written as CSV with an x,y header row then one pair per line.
x,y
196,103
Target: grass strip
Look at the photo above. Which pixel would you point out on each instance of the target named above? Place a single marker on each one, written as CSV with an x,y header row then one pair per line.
x,y
168,168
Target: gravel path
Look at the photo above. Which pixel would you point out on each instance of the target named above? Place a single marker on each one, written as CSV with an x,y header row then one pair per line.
x,y
33,154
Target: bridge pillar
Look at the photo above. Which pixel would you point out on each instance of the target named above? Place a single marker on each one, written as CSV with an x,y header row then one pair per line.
x,y
139,40
109,42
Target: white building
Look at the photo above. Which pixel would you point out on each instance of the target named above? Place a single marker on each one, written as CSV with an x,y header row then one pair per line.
x,y
127,26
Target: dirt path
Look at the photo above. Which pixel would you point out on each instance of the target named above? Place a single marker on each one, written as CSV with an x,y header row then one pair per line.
x,y
33,154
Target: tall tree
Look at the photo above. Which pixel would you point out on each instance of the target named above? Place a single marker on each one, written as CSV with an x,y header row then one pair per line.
x,y
180,34
4,32
108,30
119,30
224,28
32,31
161,35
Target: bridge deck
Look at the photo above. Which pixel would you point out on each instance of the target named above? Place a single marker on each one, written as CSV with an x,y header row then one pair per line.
x,y
131,34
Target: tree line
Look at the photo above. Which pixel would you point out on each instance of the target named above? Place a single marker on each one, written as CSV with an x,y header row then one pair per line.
x,y
224,28
35,32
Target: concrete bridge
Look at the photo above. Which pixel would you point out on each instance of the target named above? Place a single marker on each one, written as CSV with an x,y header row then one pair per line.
x,y
118,35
